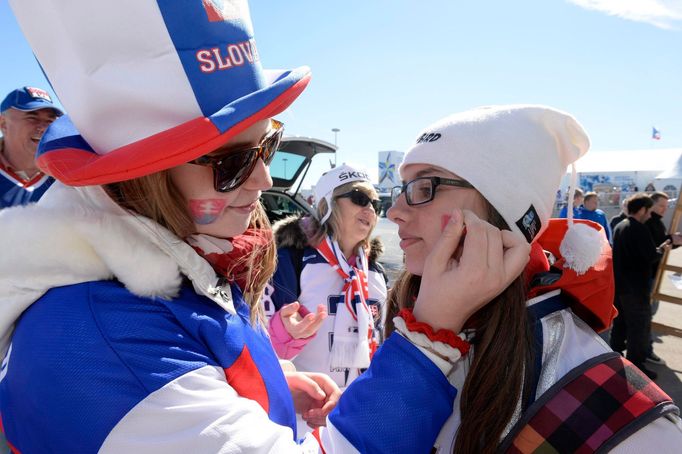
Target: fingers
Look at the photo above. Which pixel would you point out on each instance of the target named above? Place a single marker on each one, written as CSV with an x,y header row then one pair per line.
x,y
516,254
495,248
289,309
303,382
331,390
311,323
448,241
474,254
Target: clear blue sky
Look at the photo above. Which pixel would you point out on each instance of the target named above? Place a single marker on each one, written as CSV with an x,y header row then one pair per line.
x,y
382,70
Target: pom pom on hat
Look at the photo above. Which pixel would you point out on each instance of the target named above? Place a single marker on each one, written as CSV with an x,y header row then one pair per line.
x,y
581,247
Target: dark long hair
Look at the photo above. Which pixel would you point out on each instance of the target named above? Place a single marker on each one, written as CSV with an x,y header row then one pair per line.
x,y
500,370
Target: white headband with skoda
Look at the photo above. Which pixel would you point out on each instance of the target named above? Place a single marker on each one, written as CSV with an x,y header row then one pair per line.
x,y
514,155
334,178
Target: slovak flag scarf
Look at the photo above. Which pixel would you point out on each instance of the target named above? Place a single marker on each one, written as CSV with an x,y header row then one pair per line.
x,y
353,324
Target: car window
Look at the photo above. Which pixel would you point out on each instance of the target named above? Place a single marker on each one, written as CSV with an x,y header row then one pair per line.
x,y
285,165
279,206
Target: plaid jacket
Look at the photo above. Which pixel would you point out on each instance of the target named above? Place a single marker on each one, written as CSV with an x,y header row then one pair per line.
x,y
591,409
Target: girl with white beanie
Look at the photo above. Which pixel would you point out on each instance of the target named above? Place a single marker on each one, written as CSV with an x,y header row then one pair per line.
x,y
537,376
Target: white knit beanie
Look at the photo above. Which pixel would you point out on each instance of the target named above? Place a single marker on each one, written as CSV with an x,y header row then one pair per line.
x,y
514,155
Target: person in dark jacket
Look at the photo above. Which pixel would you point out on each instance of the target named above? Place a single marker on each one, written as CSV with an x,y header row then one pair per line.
x,y
659,234
634,253
615,220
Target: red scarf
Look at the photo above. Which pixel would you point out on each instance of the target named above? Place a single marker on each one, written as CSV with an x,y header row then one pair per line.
x,y
236,257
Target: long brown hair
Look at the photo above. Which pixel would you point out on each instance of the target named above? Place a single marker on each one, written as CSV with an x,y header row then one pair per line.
x,y
500,370
156,197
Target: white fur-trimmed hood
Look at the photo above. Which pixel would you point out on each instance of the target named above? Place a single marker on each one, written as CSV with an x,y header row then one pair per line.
x,y
76,235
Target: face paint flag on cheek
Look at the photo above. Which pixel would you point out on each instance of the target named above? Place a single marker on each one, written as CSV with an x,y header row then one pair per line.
x,y
206,211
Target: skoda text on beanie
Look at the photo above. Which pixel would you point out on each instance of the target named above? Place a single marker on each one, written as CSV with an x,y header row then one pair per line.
x,y
334,178
28,99
148,84
514,155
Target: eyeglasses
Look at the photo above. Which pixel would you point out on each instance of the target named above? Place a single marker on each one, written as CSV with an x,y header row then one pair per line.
x,y
361,199
233,168
423,189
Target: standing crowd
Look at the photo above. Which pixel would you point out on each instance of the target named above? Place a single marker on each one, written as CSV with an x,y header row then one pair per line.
x,y
150,306
639,240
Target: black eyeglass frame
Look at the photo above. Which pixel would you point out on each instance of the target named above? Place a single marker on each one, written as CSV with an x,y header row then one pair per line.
x,y
357,196
232,168
435,182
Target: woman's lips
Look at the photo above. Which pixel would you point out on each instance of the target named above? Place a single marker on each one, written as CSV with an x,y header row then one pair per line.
x,y
245,209
407,242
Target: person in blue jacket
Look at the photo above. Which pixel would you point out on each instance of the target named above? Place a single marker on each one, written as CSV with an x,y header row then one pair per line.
x,y
130,315
578,196
591,212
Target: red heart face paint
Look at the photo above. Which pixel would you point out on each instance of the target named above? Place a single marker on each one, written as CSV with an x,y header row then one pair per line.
x,y
206,211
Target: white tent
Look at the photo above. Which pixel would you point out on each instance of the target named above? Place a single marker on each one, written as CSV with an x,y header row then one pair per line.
x,y
629,160
626,169
674,171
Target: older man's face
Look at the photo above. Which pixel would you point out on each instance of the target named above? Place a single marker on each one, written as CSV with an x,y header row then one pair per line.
x,y
22,130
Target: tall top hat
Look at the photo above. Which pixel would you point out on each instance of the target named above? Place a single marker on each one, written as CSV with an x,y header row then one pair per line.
x,y
148,84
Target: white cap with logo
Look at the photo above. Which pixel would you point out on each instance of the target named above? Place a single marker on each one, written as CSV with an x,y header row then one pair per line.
x,y
334,178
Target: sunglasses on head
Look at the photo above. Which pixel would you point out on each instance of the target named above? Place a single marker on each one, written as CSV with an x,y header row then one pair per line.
x,y
361,199
232,168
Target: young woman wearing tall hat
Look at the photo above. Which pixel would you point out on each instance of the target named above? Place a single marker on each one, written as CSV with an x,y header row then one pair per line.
x,y
130,315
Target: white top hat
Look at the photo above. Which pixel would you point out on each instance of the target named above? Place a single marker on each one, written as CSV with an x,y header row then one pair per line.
x,y
148,85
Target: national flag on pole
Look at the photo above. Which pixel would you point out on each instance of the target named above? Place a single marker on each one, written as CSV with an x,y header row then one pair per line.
x,y
655,134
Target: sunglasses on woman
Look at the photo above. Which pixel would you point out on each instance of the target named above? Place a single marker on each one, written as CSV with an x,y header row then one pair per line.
x,y
423,189
232,168
361,199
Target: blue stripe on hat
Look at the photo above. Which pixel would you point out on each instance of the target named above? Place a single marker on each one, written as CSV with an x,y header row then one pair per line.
x,y
61,134
219,57
243,108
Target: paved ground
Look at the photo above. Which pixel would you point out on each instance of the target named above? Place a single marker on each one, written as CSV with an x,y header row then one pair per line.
x,y
666,345
669,347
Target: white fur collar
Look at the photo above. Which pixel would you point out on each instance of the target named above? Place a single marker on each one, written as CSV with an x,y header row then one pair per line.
x,y
76,235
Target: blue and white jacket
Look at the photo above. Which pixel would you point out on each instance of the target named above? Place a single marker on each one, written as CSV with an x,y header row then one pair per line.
x,y
16,191
116,338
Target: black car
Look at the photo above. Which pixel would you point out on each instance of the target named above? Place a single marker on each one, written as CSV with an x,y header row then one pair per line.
x,y
288,169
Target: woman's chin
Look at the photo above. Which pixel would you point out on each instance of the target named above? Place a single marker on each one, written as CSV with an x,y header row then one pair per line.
x,y
413,266
224,230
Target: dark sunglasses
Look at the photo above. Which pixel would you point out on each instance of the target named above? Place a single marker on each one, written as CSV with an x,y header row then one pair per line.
x,y
361,199
232,168
423,189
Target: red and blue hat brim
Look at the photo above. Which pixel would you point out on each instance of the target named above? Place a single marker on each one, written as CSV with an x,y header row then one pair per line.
x,y
64,154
